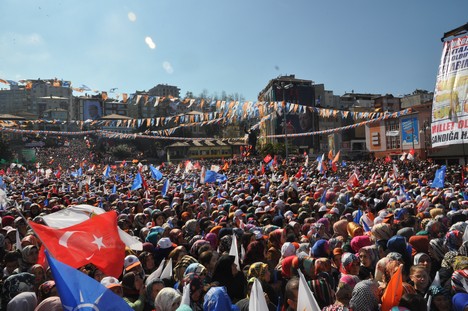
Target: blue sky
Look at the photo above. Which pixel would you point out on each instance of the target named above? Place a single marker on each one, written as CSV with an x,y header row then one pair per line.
x,y
368,46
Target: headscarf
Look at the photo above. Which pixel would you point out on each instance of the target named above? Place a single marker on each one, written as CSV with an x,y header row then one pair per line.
x,y
372,252
436,290
320,249
149,290
26,301
26,252
463,250
190,227
287,265
166,299
458,280
365,296
17,283
340,228
453,240
288,249
257,270
460,302
382,231
347,261
223,271
359,242
418,257
213,239
353,228
437,249
195,269
350,280
196,246
217,299
460,263
182,264
45,289
380,269
275,238
449,259
419,243
50,304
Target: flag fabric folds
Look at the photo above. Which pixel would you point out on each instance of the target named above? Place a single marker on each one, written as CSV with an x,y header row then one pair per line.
x,y
78,291
155,173
93,241
137,182
257,301
78,213
305,298
165,188
211,176
394,291
439,178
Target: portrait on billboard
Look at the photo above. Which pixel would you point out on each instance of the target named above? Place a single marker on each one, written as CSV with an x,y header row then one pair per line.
x,y
91,110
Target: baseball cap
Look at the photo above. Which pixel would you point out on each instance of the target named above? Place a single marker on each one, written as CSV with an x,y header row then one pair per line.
x,y
131,261
239,213
164,243
110,281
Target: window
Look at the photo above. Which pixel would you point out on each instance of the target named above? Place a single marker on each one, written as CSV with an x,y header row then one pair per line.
x,y
393,142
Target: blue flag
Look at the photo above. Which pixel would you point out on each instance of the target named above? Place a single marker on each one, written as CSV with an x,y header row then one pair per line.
x,y
165,188
114,189
439,179
358,216
343,163
78,291
155,173
2,183
212,176
323,199
107,171
137,182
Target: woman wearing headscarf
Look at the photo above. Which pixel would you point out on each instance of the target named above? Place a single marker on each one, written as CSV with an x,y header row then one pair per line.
x,y
255,252
153,287
227,274
46,290
425,260
134,291
168,299
261,271
321,249
340,228
441,298
350,264
365,296
180,267
359,242
26,301
217,299
354,229
15,284
274,244
39,274
343,293
52,303
368,256
29,256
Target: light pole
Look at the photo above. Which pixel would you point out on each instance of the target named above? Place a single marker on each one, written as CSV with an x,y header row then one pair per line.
x,y
283,86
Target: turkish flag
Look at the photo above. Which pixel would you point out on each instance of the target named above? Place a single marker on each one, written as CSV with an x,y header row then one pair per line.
x,y
267,159
93,241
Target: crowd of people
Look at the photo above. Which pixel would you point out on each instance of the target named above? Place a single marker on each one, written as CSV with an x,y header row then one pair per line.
x,y
348,230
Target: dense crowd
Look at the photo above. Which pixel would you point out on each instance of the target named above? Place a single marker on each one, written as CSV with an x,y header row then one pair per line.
x,y
347,230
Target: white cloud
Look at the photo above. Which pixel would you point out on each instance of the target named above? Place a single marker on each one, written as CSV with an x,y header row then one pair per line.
x,y
132,16
168,67
150,43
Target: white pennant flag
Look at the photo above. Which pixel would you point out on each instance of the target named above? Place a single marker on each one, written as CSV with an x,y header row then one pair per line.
x,y
18,241
156,273
305,299
235,252
167,272
465,235
257,301
186,295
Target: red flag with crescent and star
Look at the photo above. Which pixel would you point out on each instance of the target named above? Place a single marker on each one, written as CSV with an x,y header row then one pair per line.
x,y
93,241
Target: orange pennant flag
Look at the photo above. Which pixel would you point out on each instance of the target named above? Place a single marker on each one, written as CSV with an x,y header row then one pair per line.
x,y
330,155
337,157
285,177
394,291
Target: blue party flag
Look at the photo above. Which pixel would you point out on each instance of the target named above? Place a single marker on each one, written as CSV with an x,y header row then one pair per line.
x,y
323,199
358,216
439,179
155,173
212,176
107,171
114,189
137,182
165,188
78,291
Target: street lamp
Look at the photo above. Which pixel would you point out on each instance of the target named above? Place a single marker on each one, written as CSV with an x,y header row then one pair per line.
x,y
283,86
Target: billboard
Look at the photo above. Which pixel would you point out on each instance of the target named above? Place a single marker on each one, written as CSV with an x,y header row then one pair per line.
x,y
409,131
92,110
450,106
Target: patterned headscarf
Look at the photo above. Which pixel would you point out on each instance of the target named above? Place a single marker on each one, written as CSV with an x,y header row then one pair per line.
x,y
460,263
437,249
382,231
257,270
453,240
365,296
359,242
347,261
436,290
459,281
17,283
449,259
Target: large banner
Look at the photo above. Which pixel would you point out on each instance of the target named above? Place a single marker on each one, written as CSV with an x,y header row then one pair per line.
x,y
91,110
450,107
409,131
